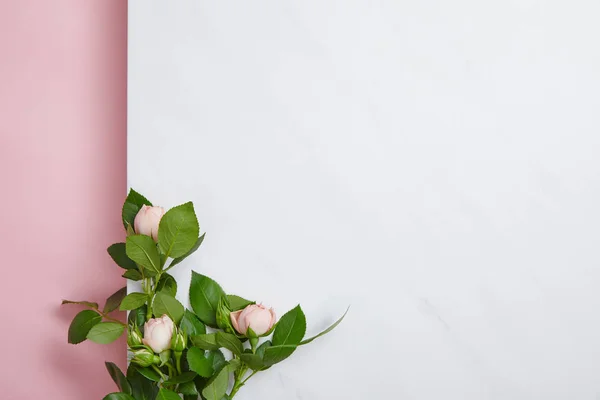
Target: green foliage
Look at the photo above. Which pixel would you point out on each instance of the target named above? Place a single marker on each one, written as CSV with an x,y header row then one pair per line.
x,y
119,255
142,387
112,303
216,387
165,394
133,301
131,207
167,284
237,303
326,331
191,325
206,341
132,274
82,324
118,377
288,334
118,396
142,250
199,363
166,304
205,295
178,231
106,332
189,253
138,316
230,342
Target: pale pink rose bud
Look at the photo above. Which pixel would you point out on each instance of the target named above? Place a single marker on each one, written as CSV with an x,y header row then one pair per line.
x,y
158,333
256,317
146,221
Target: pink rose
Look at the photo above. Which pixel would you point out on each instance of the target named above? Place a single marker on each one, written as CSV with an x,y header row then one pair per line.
x,y
256,317
158,333
147,220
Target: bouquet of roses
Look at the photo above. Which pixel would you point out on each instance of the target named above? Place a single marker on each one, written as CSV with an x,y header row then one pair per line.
x,y
207,352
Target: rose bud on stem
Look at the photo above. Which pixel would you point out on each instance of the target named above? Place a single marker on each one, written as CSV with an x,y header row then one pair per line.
x,y
253,322
147,220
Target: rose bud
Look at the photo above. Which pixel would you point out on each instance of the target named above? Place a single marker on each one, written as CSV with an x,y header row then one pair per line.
x,y
144,358
134,336
179,342
147,220
256,317
158,333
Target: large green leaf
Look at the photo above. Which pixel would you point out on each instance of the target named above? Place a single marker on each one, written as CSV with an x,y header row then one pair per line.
x,y
184,377
164,394
204,298
166,304
119,255
178,230
167,284
288,334
216,387
133,301
255,361
143,388
198,362
118,396
138,316
82,324
142,250
206,341
105,332
326,331
132,274
189,253
191,324
230,342
112,303
149,373
118,377
131,207
189,390
237,303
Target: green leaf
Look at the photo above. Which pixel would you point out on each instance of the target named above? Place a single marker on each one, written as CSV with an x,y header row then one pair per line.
x,y
149,373
133,301
198,362
253,361
217,386
132,274
204,298
82,324
326,331
112,303
142,250
119,255
188,389
165,304
178,231
164,394
189,253
143,388
230,342
217,358
138,316
207,341
287,336
184,377
237,303
167,284
118,396
118,377
82,303
191,324
105,332
131,207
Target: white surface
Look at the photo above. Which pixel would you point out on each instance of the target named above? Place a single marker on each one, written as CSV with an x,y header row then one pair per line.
x,y
433,163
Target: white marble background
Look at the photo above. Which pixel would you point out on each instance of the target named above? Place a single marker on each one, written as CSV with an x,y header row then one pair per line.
x,y
432,163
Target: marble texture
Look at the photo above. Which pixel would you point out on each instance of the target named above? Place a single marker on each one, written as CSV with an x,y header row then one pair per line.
x,y
433,164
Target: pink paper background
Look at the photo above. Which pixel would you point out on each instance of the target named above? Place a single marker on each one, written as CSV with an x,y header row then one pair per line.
x,y
63,176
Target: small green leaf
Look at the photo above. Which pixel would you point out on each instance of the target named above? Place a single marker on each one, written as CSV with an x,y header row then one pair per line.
x,y
178,231
287,336
118,377
82,303
119,396
230,342
217,385
143,388
112,303
189,253
82,324
191,324
204,298
188,389
119,256
207,341
184,377
237,303
164,394
138,316
105,332
167,284
149,373
142,250
199,363
131,207
133,301
253,361
326,331
132,274
165,304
